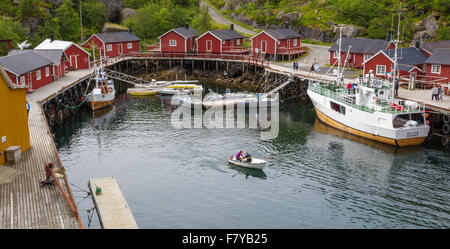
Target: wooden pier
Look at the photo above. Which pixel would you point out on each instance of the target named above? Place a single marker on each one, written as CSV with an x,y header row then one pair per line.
x,y
112,208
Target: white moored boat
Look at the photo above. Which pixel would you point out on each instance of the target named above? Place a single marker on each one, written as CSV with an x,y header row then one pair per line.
x,y
103,94
254,164
369,110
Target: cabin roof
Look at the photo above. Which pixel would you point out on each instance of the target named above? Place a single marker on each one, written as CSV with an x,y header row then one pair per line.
x,y
117,37
24,62
440,56
53,55
48,44
431,46
281,34
226,34
360,45
186,32
407,56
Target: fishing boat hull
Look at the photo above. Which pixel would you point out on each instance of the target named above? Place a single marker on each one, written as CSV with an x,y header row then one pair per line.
x,y
141,92
97,102
254,164
370,125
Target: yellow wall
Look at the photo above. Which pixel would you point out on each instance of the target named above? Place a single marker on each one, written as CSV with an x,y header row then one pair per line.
x,y
13,116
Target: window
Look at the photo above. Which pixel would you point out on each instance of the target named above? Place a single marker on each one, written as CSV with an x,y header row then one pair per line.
x,y
381,70
130,45
436,69
38,74
47,71
367,56
295,42
237,42
335,55
109,47
173,43
337,107
22,80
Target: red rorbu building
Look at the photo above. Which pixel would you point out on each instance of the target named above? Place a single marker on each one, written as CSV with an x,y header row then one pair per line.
x,y
27,68
410,62
361,49
179,40
114,44
275,44
221,41
438,64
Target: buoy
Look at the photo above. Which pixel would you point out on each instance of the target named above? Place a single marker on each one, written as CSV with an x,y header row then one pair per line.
x,y
98,191
82,98
446,118
446,128
444,140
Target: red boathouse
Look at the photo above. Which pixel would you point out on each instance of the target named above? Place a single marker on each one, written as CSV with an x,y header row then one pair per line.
x,y
179,40
115,43
221,41
276,44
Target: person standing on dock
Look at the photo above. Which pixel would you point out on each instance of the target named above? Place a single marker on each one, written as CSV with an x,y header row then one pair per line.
x,y
439,92
434,93
397,85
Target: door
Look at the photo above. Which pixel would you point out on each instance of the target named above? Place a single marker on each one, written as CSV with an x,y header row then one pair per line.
x,y
73,61
208,45
263,46
120,49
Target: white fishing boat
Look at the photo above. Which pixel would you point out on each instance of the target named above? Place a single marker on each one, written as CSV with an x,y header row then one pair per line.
x,y
247,99
103,94
254,164
369,109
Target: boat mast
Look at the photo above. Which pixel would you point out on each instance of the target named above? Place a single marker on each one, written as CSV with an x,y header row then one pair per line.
x,y
339,56
95,67
395,56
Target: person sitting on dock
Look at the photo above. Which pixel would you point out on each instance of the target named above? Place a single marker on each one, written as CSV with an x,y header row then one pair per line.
x,y
48,175
239,156
248,157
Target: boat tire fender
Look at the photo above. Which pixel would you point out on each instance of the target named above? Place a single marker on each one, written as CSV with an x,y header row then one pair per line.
x,y
444,140
446,118
446,129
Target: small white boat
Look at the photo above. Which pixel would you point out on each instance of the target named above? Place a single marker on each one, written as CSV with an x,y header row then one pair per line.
x,y
180,89
254,164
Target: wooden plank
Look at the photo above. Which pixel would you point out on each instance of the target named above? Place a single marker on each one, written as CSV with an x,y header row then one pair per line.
x,y
112,208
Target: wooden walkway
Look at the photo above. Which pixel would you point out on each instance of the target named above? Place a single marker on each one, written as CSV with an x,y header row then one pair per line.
x,y
112,208
23,203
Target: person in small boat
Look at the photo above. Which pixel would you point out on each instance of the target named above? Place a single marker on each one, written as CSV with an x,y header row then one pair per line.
x,y
239,156
248,157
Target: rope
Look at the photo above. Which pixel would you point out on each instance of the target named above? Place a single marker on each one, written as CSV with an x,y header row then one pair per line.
x,y
76,106
79,188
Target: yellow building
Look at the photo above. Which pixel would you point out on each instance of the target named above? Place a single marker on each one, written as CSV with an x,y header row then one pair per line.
x,y
13,116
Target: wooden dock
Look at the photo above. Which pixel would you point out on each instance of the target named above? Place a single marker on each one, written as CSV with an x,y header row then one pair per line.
x,y
112,208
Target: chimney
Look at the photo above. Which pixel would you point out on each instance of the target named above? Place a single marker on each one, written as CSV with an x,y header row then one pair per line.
x,y
186,25
52,37
232,26
286,25
417,44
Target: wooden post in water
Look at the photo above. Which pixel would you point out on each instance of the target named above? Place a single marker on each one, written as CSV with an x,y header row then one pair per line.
x,y
204,65
157,64
217,66
146,66
192,64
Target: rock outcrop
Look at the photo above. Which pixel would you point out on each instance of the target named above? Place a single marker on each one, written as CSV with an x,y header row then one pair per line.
x,y
113,10
127,13
426,30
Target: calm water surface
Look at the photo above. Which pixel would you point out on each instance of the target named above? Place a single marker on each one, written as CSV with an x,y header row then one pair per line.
x,y
319,177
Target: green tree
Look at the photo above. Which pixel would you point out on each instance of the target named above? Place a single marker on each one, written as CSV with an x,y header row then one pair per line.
x,y
93,15
13,30
49,27
68,21
202,22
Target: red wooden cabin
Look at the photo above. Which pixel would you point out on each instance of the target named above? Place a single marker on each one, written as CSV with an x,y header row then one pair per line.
x,y
27,68
179,40
438,64
75,56
361,49
221,41
114,44
276,44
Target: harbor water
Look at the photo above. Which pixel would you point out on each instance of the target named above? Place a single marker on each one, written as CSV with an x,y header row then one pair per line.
x,y
316,177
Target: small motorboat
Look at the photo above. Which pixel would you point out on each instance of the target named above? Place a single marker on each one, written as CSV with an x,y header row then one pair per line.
x,y
141,91
254,164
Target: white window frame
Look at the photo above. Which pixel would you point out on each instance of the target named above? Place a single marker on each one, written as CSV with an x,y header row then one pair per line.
x,y
22,80
130,45
109,47
436,69
237,42
367,56
47,71
335,55
380,72
207,41
295,43
173,43
38,74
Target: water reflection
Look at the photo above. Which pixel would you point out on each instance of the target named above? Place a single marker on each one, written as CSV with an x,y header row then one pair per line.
x,y
258,173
